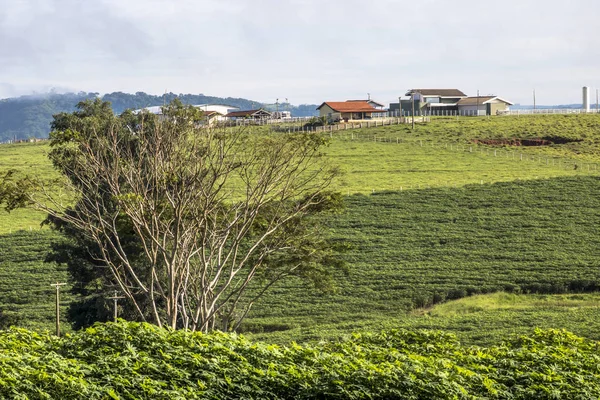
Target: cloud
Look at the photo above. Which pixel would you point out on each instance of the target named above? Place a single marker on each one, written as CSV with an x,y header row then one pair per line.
x,y
306,50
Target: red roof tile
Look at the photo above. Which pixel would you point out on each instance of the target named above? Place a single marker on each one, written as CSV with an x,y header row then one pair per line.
x,y
350,106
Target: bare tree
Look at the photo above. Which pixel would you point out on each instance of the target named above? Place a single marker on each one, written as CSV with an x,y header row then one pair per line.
x,y
219,213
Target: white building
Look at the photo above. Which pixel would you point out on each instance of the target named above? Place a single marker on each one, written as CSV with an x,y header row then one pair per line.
x,y
220,109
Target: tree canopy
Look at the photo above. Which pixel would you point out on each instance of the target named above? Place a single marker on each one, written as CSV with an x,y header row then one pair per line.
x,y
191,223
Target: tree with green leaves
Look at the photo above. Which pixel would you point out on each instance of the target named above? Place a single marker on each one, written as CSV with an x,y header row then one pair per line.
x,y
191,223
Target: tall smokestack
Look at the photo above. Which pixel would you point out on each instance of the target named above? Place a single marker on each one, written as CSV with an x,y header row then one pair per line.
x,y
586,99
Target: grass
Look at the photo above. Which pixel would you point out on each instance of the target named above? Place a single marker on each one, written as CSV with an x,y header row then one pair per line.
x,y
26,296
369,166
441,235
28,158
476,320
443,160
417,248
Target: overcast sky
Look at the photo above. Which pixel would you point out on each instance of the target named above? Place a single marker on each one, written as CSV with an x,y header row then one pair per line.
x,y
308,51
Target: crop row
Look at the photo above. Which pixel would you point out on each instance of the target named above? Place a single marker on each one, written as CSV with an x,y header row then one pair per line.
x,y
417,248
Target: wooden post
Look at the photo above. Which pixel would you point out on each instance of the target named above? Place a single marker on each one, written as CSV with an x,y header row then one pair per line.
x,y
57,286
115,298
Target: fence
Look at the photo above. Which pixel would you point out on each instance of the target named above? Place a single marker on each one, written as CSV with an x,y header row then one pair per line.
x,y
344,126
550,111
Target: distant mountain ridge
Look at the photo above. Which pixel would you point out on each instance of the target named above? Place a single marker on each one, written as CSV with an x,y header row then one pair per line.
x,y
30,116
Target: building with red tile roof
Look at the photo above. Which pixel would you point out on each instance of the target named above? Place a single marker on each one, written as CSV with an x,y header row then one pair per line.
x,y
348,110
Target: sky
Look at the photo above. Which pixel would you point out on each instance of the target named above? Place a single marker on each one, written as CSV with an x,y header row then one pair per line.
x,y
306,51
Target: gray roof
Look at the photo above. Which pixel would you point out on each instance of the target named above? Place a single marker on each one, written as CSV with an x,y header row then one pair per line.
x,y
473,101
437,92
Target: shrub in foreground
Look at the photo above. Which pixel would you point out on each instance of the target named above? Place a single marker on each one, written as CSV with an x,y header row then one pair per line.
x,y
141,361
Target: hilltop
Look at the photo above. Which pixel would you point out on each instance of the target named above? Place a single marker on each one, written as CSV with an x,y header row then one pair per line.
x,y
30,116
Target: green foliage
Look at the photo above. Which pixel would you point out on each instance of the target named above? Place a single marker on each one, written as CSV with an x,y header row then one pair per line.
x,y
26,297
420,247
315,121
407,250
131,360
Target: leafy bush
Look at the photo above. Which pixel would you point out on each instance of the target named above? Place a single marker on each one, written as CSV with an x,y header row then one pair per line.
x,y
141,361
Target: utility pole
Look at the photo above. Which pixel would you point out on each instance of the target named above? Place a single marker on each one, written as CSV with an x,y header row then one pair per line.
x,y
288,106
534,100
115,298
477,110
277,108
57,286
399,106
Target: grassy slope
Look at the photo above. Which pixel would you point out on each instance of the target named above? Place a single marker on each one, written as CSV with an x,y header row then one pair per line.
x,y
386,272
414,248
25,291
28,158
370,167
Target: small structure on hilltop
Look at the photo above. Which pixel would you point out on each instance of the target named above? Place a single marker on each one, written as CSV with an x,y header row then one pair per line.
x,y
259,114
222,109
349,110
212,117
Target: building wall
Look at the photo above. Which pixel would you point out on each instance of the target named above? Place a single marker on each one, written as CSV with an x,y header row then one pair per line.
x,y
471,110
220,108
328,112
498,106
491,108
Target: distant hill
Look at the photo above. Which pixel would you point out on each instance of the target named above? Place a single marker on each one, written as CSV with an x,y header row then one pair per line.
x,y
30,116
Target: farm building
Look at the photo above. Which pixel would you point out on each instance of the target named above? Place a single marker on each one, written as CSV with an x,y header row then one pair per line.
x,y
249,114
449,101
212,117
349,110
429,101
482,105
222,109
371,102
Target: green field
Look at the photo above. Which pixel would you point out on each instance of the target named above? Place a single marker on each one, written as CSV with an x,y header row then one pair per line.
x,y
416,248
26,297
430,217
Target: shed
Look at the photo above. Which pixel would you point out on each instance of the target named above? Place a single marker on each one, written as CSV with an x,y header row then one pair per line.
x,y
483,105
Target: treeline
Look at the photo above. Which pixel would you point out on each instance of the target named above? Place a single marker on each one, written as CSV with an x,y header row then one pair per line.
x,y
28,117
